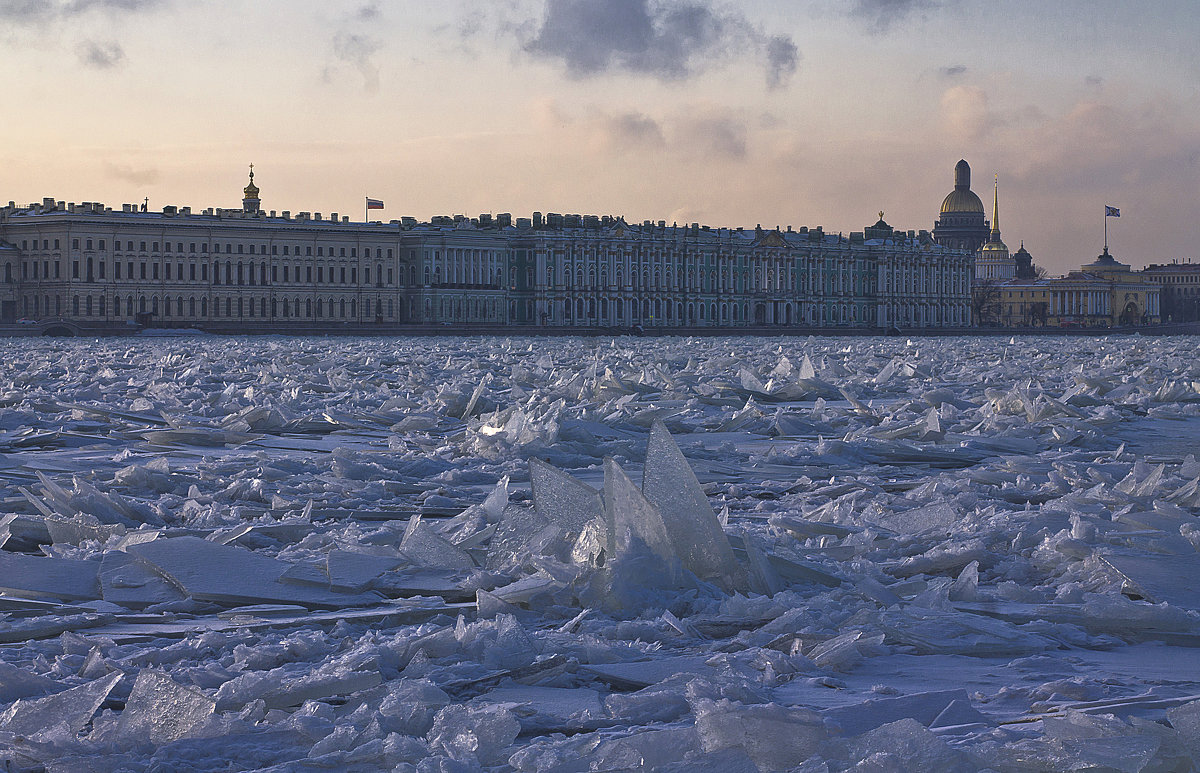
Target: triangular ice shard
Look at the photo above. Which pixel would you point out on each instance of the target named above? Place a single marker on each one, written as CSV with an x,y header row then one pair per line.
x,y
161,710
635,526
422,546
807,371
696,534
561,499
72,709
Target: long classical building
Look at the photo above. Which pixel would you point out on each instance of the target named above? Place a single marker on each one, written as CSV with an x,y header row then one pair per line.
x,y
1102,294
256,270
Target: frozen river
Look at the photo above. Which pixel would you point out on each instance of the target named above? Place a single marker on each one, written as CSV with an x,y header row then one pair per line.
x,y
559,555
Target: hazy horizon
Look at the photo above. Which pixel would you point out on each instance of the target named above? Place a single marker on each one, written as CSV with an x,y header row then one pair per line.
x,y
769,112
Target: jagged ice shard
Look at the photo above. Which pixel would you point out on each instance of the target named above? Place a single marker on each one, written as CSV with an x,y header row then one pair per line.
x,y
695,533
562,500
639,550
160,710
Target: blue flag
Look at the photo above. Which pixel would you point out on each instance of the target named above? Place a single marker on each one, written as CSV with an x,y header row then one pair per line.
x,y
1111,211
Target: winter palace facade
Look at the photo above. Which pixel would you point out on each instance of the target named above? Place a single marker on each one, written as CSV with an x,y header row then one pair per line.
x,y
248,269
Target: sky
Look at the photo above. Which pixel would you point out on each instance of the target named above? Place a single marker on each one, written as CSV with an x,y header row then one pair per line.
x,y
771,112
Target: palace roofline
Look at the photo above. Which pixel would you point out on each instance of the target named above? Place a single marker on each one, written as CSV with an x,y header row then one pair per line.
x,y
607,226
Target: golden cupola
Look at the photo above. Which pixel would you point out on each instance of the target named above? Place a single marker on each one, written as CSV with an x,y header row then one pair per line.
x,y
962,198
250,200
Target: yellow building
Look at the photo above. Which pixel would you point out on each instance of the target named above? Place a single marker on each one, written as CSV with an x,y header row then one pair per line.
x,y
1104,293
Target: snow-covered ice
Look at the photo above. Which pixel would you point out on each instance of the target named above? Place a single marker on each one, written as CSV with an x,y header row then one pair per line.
x,y
554,555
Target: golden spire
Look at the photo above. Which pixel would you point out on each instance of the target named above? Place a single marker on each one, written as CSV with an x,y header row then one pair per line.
x,y
996,210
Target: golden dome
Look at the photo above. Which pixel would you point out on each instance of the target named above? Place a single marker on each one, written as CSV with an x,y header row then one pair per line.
x,y
251,190
995,246
962,201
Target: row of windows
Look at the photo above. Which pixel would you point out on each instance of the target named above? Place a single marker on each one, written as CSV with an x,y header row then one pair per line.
x,y
234,274
234,307
252,249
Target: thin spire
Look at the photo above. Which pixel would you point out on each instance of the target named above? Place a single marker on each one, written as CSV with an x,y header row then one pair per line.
x,y
996,209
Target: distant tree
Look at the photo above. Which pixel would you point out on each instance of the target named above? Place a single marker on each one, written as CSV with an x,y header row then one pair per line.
x,y
1038,313
1040,272
985,303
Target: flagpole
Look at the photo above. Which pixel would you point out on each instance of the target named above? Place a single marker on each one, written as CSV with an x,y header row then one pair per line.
x,y
1106,229
368,198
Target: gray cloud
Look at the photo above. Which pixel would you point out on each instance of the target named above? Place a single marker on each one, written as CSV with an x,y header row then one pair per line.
x,y
353,47
880,15
717,133
102,56
34,12
632,129
42,23
358,51
665,39
954,70
782,59
369,12
130,174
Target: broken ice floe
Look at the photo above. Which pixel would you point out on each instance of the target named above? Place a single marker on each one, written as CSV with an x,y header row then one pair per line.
x,y
954,553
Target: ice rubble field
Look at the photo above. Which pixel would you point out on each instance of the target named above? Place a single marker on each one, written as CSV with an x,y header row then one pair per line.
x,y
562,555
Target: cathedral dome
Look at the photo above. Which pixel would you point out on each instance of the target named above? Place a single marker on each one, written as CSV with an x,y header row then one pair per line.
x,y
961,224
962,201
962,198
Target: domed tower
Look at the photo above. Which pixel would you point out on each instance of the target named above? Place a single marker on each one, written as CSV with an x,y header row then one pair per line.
x,y
961,225
250,202
993,262
1023,262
